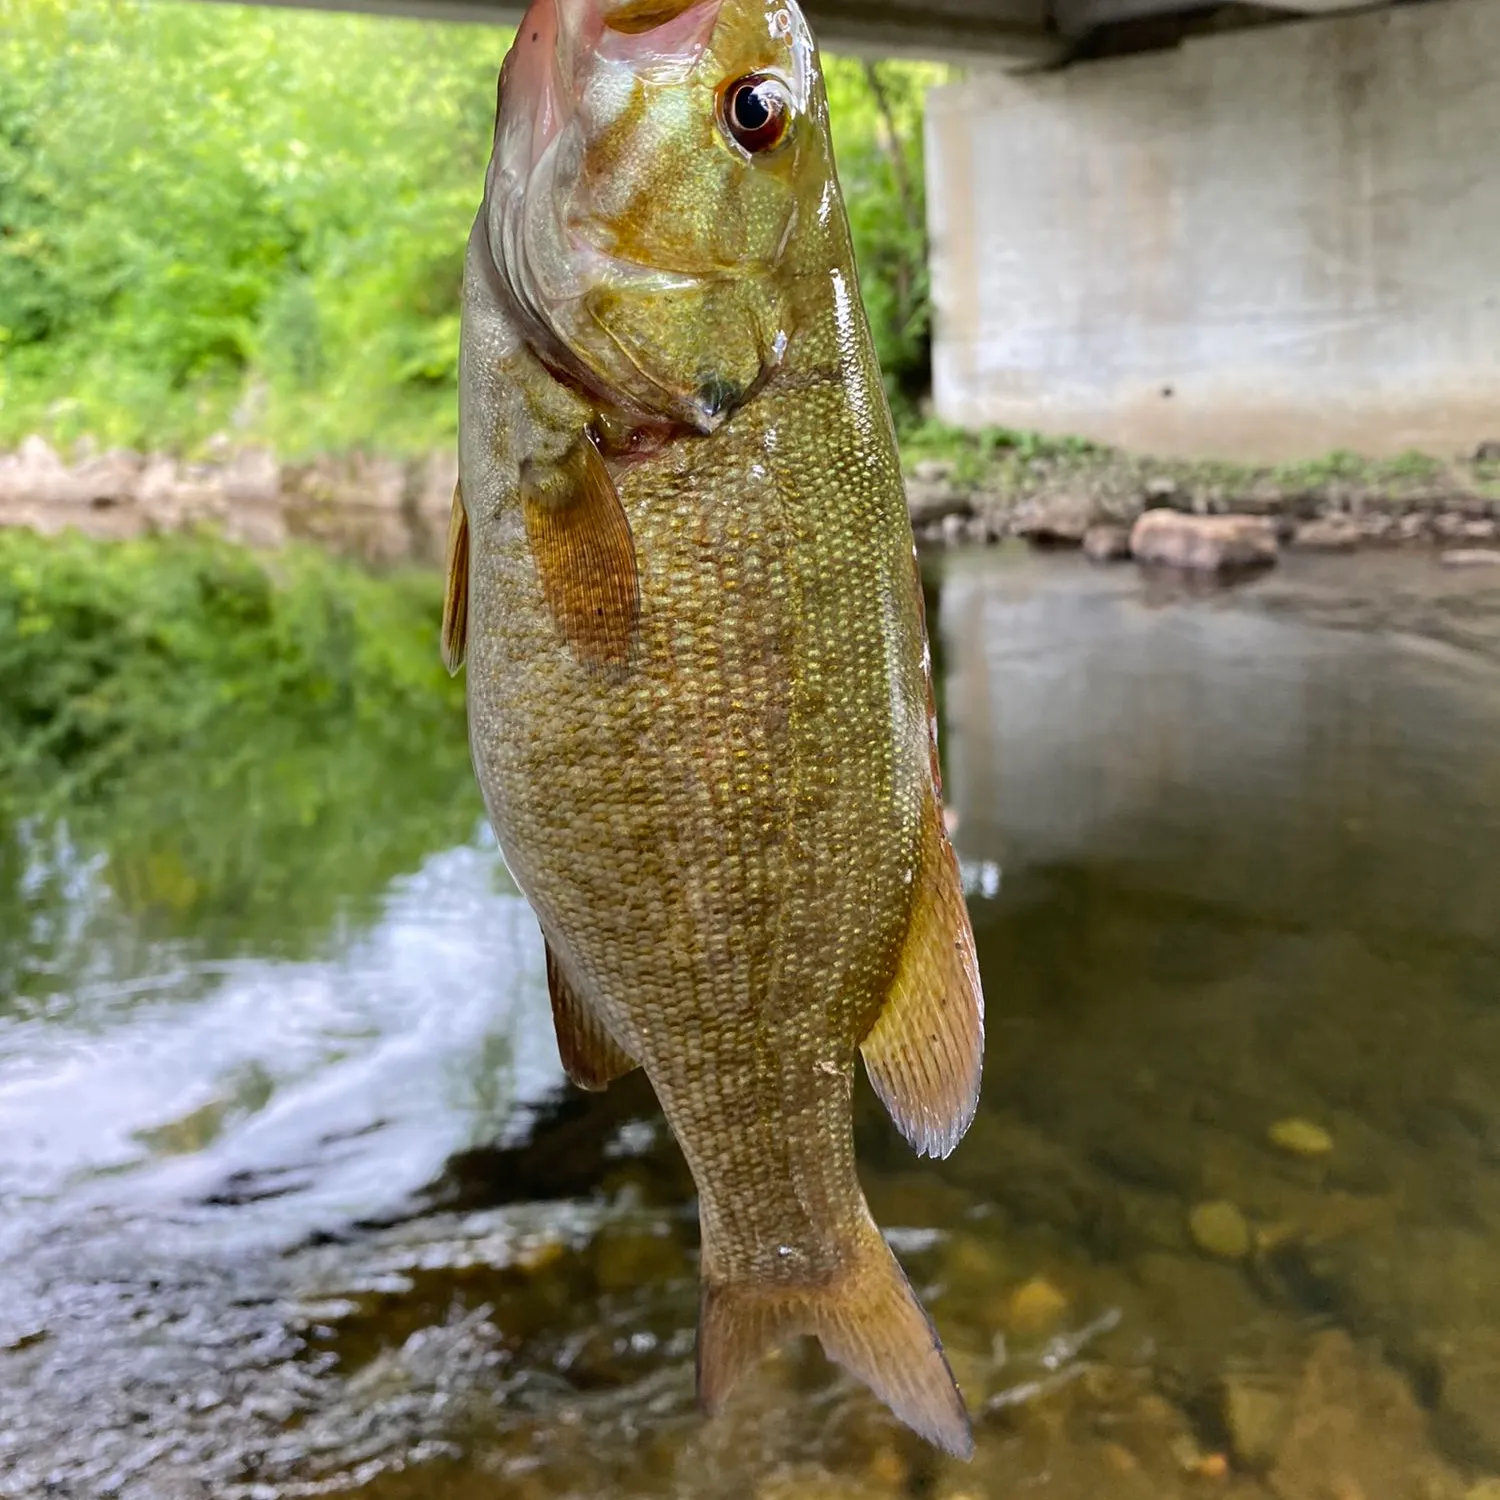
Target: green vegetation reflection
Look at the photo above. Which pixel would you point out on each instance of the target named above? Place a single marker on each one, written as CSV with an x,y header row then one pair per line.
x,y
248,743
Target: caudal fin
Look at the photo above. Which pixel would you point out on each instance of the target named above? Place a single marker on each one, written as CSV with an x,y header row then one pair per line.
x,y
868,1319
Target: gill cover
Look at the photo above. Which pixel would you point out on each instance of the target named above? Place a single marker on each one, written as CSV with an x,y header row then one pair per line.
x,y
641,244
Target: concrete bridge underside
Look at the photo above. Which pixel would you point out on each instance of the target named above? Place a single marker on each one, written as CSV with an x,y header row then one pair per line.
x,y
1018,32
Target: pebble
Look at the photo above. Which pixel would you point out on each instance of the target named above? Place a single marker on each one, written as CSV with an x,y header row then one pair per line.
x,y
1257,1418
972,1262
1187,1454
1106,544
1301,1138
888,1470
539,1254
1220,1229
1333,534
1035,1308
1471,557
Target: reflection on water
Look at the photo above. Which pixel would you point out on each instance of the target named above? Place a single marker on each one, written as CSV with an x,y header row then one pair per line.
x,y
422,1034
296,1203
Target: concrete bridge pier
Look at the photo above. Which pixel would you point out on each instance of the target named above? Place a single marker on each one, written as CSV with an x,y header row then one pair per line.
x,y
1262,244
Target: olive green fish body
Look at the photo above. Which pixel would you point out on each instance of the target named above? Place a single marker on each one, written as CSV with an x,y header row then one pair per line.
x,y
701,718
721,840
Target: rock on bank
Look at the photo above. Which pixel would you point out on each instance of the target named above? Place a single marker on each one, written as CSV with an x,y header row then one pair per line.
x,y
380,509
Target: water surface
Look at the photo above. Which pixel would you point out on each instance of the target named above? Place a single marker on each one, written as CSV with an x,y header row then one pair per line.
x,y
294,1199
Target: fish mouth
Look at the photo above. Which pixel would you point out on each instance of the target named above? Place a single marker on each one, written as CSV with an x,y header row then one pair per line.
x,y
652,35
530,86
548,259
632,17
558,40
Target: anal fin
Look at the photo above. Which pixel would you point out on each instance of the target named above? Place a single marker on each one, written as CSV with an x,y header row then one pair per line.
x,y
590,1055
456,591
925,1052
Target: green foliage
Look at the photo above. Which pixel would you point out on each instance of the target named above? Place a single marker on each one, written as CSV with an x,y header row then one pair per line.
x,y
213,216
1408,467
877,129
975,455
198,201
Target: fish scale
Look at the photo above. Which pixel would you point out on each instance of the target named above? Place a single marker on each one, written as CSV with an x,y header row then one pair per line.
x,y
697,681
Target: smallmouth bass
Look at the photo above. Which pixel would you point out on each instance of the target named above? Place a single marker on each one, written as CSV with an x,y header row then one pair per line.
x,y
683,584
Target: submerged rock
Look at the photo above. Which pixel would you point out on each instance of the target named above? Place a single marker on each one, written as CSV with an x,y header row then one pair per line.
x,y
1209,544
1220,1229
1334,534
1107,544
1257,1417
1469,1360
1357,1430
1301,1138
1035,1307
1054,521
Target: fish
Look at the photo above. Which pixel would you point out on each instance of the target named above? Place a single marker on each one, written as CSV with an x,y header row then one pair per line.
x,y
683,587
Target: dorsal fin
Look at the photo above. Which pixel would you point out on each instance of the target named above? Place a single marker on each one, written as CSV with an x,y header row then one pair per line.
x,y
584,553
455,638
925,1052
591,1057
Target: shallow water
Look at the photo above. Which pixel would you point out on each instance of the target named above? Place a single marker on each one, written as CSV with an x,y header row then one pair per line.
x,y
294,1201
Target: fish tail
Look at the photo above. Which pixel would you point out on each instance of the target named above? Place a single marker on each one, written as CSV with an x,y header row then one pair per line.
x,y
868,1320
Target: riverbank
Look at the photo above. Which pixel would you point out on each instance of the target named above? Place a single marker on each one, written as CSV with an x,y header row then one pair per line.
x,y
988,487
961,488
380,510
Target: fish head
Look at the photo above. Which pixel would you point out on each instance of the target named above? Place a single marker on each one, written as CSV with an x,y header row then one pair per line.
x,y
652,162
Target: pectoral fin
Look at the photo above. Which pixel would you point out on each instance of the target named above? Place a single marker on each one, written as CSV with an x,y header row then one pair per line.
x,y
925,1052
590,1055
584,553
456,593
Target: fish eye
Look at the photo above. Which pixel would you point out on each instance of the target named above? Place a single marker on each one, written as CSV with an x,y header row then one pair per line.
x,y
756,112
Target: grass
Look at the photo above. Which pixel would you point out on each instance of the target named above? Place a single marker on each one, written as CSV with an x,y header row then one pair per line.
x,y
1004,460
975,456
